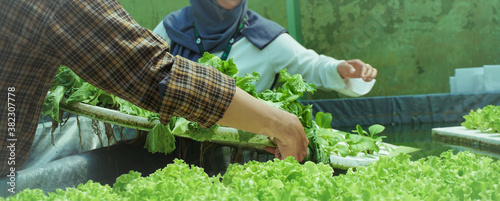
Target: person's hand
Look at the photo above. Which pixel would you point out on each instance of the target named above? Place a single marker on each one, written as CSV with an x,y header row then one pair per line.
x,y
294,144
357,69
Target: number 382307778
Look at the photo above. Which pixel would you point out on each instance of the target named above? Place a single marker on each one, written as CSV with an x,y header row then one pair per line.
x,y
11,108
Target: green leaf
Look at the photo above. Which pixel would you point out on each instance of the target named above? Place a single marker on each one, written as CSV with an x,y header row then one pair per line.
x,y
369,145
342,150
247,83
123,180
375,129
85,94
245,136
295,83
355,149
359,130
181,126
160,139
68,79
226,67
129,108
355,138
29,194
200,134
107,99
324,120
51,103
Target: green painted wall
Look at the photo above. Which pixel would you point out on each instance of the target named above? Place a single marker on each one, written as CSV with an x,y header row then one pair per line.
x,y
149,13
415,44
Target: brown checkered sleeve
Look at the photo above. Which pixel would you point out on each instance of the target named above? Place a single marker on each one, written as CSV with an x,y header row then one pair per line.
x,y
108,49
100,42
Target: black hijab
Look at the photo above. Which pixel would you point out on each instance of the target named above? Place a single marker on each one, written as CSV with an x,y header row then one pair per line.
x,y
216,26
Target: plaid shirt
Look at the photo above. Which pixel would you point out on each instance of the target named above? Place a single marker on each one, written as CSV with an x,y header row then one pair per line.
x,y
101,43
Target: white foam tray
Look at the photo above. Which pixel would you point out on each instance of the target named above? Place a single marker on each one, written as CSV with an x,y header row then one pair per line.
x,y
462,134
361,159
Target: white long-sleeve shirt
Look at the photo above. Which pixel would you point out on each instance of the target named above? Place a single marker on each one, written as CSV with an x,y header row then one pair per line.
x,y
286,52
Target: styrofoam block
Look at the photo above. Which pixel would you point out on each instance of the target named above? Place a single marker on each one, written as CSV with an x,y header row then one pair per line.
x,y
492,78
469,80
453,85
361,159
472,136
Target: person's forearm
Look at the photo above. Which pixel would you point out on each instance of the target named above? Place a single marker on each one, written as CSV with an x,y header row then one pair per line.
x,y
249,114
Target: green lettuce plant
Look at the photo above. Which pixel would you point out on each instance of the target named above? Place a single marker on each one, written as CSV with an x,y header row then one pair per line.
x,y
461,176
485,119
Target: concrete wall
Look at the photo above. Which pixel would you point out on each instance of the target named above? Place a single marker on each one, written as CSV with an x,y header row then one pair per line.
x,y
415,44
